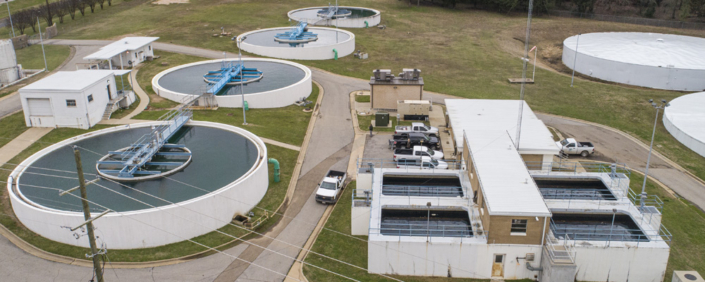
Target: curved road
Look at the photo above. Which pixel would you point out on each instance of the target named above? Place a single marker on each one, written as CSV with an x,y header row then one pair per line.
x,y
331,144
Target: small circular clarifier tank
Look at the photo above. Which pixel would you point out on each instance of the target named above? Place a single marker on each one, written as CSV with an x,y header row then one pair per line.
x,y
227,176
281,84
349,17
329,42
653,60
685,120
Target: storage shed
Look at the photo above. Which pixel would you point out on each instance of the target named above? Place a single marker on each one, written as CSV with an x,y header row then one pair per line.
x,y
126,52
77,99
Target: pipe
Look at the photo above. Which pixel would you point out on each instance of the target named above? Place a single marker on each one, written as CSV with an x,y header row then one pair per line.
x,y
276,168
529,267
247,108
336,54
367,24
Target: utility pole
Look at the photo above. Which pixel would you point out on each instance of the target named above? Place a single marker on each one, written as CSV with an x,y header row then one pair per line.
x,y
575,59
523,73
663,106
10,15
87,216
46,68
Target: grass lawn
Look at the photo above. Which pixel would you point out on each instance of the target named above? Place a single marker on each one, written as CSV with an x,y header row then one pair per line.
x,y
149,69
11,126
362,98
287,124
120,113
273,198
685,221
365,121
31,58
463,52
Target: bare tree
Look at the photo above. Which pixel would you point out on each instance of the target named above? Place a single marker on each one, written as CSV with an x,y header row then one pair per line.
x,y
110,2
59,9
101,2
46,13
33,17
71,6
91,4
21,19
81,5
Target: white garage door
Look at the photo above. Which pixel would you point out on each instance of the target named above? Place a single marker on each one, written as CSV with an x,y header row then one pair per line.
x,y
39,107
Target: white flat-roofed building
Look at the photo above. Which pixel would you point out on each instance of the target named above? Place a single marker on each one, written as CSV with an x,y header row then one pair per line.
x,y
78,99
126,52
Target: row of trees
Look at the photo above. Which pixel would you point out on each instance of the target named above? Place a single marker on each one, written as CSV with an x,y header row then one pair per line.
x,y
27,18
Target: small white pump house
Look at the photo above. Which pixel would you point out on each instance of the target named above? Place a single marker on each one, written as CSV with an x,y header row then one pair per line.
x,y
126,52
78,99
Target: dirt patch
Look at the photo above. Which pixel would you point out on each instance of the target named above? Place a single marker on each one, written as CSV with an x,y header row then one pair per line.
x,y
167,2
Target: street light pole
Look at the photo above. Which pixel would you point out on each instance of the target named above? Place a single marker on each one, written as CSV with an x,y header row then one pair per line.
x,y
242,82
46,68
10,16
664,104
575,59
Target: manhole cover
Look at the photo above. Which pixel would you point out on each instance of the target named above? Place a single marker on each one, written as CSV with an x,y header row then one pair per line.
x,y
690,277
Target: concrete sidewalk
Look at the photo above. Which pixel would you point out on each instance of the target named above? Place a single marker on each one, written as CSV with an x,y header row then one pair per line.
x,y
21,142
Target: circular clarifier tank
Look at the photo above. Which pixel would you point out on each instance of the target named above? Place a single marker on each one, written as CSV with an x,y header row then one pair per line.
x,y
227,176
348,17
281,84
654,60
685,120
329,42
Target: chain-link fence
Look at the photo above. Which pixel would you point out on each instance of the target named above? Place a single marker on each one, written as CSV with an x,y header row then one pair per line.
x,y
629,20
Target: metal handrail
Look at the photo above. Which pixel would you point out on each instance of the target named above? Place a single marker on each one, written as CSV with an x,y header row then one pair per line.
x,y
391,163
409,230
609,235
576,166
574,194
431,191
558,256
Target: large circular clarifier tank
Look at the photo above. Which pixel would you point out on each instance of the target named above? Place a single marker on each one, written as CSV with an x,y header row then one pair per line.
x,y
228,175
654,60
330,41
685,120
282,83
359,18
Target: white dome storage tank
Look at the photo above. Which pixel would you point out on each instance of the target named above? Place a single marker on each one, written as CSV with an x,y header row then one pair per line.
x,y
654,60
685,120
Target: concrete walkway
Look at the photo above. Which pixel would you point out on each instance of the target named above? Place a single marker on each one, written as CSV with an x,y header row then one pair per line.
x,y
23,141
144,98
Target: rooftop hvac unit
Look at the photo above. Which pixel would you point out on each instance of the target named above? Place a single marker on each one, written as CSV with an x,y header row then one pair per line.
x,y
410,74
383,74
687,276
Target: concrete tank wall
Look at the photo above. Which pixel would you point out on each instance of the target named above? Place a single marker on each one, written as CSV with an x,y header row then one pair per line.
x,y
150,227
666,78
345,22
9,75
277,98
621,263
313,53
8,58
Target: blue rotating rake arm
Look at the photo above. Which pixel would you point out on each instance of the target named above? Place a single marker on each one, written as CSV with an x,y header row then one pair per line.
x,y
298,32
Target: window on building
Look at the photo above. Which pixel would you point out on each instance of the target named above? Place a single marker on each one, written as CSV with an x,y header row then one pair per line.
x,y
70,103
150,47
90,98
518,227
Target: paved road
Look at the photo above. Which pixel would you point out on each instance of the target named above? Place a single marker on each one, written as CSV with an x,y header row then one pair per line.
x,y
330,147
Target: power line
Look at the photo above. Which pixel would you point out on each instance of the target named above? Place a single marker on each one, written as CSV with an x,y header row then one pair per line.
x,y
185,239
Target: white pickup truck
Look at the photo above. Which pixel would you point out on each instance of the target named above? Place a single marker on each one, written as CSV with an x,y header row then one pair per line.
x,y
423,163
416,127
329,189
416,153
571,147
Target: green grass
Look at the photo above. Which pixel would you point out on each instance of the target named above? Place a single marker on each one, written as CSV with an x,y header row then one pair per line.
x,y
120,113
287,124
31,58
149,69
365,121
684,220
362,98
272,199
462,52
19,5
11,126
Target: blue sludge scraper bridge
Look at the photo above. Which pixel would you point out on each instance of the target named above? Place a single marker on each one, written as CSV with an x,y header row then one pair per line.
x,y
230,73
298,34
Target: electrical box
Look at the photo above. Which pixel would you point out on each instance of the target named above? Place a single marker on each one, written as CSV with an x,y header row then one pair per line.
x,y
686,276
382,119
413,109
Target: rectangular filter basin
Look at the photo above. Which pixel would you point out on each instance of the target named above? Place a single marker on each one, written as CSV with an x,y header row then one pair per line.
x,y
422,185
573,189
423,223
597,227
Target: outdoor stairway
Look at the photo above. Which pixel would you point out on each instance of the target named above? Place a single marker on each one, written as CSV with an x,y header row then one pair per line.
x,y
109,109
561,255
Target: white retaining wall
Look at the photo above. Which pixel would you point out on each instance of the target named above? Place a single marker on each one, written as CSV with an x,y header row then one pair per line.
x,y
150,227
640,75
344,23
276,98
621,263
307,53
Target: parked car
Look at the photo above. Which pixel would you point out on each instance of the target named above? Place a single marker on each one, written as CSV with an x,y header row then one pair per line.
x,y
569,146
423,163
414,139
416,153
416,127
329,189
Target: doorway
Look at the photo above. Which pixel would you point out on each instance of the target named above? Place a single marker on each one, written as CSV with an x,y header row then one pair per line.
x,y
110,96
498,265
